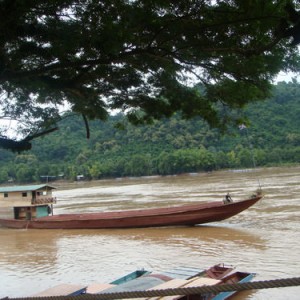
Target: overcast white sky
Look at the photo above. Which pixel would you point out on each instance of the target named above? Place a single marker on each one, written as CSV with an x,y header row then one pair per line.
x,y
287,77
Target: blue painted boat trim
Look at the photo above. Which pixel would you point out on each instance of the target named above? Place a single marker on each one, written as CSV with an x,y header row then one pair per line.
x,y
138,284
78,292
130,276
226,295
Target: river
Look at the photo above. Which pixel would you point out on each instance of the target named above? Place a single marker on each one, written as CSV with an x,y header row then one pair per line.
x,y
265,239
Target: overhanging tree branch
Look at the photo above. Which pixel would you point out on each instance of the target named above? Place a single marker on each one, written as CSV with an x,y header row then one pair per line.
x,y
128,55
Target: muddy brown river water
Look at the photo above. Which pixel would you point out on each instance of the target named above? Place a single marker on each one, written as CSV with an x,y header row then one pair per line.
x,y
265,239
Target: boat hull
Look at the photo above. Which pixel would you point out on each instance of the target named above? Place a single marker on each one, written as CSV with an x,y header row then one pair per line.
x,y
185,215
143,280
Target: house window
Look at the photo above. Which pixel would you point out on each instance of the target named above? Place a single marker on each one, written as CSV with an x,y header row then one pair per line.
x,y
5,195
24,194
43,193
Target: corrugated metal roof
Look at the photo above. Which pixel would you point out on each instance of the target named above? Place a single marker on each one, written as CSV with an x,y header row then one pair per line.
x,y
24,188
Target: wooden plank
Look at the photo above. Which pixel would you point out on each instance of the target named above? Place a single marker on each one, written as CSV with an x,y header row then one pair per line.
x,y
6,212
204,281
171,284
98,287
194,282
62,290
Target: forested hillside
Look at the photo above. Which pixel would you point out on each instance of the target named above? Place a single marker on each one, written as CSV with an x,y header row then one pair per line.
x,y
170,146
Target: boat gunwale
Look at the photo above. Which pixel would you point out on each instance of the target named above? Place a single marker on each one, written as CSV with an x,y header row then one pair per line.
x,y
144,212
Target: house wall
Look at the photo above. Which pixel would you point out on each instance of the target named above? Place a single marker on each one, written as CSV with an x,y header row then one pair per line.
x,y
6,213
15,198
31,212
20,199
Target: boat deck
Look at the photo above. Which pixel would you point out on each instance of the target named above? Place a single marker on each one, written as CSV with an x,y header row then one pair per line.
x,y
96,288
181,283
63,290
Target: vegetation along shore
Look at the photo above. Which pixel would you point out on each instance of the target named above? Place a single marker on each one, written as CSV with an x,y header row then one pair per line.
x,y
170,146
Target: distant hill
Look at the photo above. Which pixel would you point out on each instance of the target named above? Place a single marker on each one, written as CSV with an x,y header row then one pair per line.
x,y
167,147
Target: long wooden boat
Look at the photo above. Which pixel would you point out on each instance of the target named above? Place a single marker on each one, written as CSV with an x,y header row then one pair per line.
x,y
184,215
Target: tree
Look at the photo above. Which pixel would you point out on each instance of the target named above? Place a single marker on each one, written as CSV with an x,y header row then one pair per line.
x,y
3,176
25,173
139,57
139,165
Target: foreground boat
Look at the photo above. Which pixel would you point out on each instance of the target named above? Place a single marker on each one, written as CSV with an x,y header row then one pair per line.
x,y
142,280
36,215
183,277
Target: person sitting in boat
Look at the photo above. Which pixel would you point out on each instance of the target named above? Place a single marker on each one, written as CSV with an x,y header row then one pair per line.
x,y
227,199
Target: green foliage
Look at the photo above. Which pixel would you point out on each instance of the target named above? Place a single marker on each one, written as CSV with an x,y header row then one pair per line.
x,y
170,146
139,57
25,173
3,176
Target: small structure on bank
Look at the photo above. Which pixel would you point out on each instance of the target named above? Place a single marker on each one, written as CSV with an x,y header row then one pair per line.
x,y
26,202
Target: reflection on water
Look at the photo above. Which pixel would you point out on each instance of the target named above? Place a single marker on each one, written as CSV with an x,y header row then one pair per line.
x,y
263,239
41,247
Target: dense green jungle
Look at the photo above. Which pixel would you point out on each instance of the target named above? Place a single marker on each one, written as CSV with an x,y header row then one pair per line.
x,y
169,146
